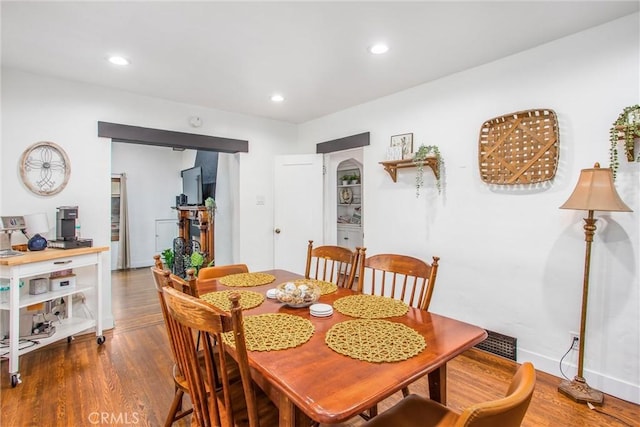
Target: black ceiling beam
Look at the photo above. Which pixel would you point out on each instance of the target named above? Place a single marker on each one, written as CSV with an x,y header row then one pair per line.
x,y
353,141
167,138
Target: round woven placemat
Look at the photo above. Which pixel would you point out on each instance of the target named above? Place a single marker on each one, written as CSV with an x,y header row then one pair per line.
x,y
375,340
273,331
370,306
247,279
248,299
325,287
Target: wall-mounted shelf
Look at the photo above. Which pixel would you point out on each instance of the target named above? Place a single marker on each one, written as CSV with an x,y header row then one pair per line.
x,y
392,166
629,150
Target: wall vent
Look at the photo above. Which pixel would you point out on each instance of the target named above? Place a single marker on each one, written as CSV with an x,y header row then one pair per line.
x,y
499,344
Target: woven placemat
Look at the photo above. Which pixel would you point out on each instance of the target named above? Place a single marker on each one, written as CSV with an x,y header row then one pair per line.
x,y
247,279
273,331
248,299
325,287
374,340
370,306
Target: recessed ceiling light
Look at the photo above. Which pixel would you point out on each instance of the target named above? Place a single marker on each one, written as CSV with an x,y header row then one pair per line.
x,y
379,48
277,98
119,60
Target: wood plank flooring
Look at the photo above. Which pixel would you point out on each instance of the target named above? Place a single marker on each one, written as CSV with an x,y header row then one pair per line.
x,y
127,381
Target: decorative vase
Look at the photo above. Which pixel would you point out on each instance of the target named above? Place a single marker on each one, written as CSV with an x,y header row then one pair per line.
x,y
37,243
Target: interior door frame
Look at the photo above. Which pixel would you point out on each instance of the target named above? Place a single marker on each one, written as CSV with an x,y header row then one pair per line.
x,y
331,162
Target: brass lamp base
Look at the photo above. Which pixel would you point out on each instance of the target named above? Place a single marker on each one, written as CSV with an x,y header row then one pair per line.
x,y
579,391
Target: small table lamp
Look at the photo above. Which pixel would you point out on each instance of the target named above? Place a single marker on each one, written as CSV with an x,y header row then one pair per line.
x,y
36,225
594,191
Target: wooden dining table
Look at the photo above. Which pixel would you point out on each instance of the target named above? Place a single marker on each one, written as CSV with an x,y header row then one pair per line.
x,y
313,382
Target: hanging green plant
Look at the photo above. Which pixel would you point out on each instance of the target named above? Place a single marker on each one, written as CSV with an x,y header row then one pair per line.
x,y
419,158
210,204
625,128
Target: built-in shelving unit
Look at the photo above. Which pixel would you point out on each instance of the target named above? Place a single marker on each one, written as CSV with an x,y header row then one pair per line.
x,y
349,205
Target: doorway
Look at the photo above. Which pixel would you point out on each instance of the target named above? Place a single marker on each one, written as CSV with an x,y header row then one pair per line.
x,y
344,198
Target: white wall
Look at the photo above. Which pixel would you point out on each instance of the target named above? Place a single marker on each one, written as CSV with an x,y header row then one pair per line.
x,y
511,261
37,108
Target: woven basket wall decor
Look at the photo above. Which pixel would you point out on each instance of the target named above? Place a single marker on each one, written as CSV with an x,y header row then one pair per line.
x,y
519,148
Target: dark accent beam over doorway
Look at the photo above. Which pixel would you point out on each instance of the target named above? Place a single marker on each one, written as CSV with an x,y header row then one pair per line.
x,y
353,141
167,138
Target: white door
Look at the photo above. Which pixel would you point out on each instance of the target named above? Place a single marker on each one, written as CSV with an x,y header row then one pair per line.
x,y
298,209
166,231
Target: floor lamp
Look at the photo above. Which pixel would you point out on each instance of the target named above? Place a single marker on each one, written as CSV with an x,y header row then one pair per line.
x,y
594,191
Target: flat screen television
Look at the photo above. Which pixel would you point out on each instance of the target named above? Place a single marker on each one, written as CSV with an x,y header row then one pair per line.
x,y
192,185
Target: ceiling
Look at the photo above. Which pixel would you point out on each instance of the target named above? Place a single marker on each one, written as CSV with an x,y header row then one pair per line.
x,y
233,56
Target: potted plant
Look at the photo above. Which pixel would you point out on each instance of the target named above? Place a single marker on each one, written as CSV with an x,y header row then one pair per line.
x,y
345,179
421,155
355,178
626,128
168,257
195,260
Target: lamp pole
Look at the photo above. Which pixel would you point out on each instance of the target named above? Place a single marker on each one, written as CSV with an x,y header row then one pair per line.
x,y
589,231
595,190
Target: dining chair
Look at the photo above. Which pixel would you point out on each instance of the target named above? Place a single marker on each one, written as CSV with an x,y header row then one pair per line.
x,y
398,276
235,403
335,264
509,411
161,279
217,271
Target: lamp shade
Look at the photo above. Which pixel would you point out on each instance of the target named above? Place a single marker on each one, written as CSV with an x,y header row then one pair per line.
x,y
37,223
595,191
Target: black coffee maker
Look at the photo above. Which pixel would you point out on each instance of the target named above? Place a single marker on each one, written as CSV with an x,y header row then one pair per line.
x,y
66,217
66,237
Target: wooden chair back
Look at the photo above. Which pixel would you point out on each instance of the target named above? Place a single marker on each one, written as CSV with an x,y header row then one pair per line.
x,y
508,411
399,276
217,271
189,315
157,262
187,285
418,411
335,264
161,278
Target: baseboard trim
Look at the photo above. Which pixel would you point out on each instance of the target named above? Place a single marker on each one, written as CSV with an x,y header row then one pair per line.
x,y
615,387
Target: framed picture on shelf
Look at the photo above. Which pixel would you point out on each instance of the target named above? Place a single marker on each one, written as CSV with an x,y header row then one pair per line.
x,y
404,144
346,196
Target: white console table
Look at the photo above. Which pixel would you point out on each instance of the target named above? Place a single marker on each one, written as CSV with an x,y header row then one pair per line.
x,y
42,263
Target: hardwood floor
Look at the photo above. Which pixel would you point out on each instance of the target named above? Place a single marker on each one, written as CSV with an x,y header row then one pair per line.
x,y
127,381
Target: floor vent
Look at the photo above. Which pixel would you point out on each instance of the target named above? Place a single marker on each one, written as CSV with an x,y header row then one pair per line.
x,y
499,344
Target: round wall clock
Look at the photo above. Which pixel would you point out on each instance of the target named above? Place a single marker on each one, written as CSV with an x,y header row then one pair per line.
x,y
45,168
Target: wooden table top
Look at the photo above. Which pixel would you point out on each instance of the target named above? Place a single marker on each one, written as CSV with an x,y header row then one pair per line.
x,y
329,387
49,254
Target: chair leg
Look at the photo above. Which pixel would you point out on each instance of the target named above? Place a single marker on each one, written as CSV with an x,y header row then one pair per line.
x,y
176,406
181,393
405,391
176,412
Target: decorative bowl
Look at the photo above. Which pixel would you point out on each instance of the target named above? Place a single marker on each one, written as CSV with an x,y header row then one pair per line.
x,y
297,294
